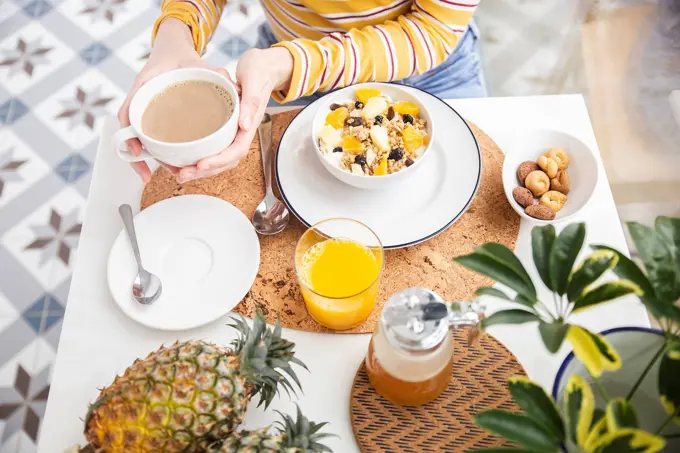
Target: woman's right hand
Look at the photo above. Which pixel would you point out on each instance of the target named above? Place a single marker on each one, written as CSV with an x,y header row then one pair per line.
x,y
172,49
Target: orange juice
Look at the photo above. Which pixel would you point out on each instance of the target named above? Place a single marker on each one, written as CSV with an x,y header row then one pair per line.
x,y
340,281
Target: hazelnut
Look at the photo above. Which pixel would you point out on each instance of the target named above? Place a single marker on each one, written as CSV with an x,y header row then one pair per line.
x,y
524,169
523,196
554,200
548,165
538,182
541,212
560,182
560,156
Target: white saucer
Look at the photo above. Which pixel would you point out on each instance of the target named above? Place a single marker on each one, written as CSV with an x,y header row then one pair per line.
x,y
204,250
424,205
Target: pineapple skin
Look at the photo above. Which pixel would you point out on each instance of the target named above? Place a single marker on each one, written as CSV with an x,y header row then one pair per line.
x,y
257,441
178,399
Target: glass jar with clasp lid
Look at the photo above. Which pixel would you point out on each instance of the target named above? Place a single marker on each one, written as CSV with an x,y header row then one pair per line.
x,y
411,352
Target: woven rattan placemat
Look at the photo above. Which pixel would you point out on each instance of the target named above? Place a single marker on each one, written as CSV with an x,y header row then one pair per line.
x,y
489,219
478,383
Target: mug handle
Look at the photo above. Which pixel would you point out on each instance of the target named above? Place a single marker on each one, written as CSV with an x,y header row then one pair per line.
x,y
119,139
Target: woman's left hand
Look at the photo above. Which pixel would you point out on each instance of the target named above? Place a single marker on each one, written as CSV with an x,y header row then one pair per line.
x,y
258,73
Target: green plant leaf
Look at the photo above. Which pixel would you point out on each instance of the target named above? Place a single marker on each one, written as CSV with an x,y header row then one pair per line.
x,y
629,440
507,257
553,334
593,351
627,269
506,450
669,229
524,301
497,270
579,405
620,414
518,428
537,405
598,428
669,379
492,292
564,252
605,293
590,269
659,262
542,240
512,316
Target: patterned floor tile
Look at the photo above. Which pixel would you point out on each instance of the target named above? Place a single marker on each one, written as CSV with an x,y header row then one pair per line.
x,y
100,18
136,51
30,55
20,166
75,111
95,53
72,168
17,285
12,110
7,10
53,231
8,312
37,8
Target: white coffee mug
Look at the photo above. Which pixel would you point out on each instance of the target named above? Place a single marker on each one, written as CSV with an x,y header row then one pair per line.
x,y
176,154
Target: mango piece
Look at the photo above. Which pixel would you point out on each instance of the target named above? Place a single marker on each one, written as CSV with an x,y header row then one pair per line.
x,y
381,169
407,108
352,145
412,139
364,94
336,118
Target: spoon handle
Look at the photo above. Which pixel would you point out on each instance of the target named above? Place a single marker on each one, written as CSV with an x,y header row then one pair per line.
x,y
126,213
264,132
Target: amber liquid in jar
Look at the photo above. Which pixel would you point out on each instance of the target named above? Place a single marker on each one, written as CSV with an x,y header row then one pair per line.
x,y
409,378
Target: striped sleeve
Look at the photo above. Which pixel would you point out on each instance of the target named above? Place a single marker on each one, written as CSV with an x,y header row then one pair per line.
x,y
202,17
420,39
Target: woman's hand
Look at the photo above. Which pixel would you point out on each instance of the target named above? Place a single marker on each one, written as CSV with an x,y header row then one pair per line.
x,y
173,49
258,73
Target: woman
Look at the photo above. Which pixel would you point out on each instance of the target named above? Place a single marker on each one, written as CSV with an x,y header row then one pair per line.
x,y
315,46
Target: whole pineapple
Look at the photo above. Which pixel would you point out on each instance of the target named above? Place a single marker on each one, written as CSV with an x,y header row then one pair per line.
x,y
188,395
301,436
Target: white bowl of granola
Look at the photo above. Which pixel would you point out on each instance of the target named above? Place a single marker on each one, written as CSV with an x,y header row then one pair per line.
x,y
372,135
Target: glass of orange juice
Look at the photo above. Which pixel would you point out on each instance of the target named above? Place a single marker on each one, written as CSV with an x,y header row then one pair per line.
x,y
338,263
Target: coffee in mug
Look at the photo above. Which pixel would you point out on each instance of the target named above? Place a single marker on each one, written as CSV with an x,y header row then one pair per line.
x,y
181,117
187,111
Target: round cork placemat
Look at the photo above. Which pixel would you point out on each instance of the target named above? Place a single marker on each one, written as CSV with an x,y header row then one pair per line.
x,y
478,383
490,218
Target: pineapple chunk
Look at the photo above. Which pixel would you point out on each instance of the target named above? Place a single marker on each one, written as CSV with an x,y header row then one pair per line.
x,y
336,118
380,138
330,136
370,156
352,145
364,94
373,107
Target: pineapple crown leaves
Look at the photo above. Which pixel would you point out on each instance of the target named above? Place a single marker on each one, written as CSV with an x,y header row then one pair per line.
x,y
265,357
303,433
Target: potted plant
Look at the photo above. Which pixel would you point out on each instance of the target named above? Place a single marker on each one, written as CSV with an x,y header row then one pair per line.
x,y
607,423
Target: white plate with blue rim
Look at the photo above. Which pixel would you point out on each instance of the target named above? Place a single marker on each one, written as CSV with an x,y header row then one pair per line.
x,y
205,252
422,206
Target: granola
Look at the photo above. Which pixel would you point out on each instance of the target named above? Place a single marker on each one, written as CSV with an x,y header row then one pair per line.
x,y
373,135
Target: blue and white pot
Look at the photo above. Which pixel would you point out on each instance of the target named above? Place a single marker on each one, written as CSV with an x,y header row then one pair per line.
x,y
636,346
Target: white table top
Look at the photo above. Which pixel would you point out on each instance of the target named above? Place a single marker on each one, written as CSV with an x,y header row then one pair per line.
x,y
98,340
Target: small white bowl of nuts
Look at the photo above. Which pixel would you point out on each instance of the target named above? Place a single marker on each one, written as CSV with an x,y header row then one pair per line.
x,y
549,176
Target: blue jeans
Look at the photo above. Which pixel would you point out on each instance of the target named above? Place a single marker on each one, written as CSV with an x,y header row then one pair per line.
x,y
459,76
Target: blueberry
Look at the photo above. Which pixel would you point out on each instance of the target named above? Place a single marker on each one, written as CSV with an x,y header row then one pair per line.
x,y
408,119
360,159
409,162
337,149
358,105
396,154
390,113
379,119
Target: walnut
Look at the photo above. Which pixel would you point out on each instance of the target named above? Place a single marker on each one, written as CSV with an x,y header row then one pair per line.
x,y
523,196
541,212
560,156
538,182
524,169
548,165
560,182
554,200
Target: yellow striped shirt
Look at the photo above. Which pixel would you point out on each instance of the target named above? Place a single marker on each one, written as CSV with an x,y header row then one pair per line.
x,y
335,43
